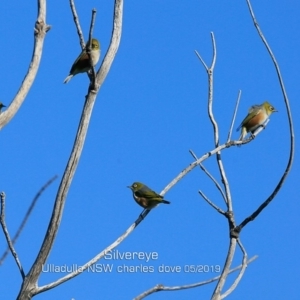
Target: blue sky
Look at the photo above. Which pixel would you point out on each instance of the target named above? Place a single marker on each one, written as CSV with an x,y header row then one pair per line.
x,y
151,109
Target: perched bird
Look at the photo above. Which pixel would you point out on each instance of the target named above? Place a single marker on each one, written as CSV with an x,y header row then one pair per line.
x,y
82,63
257,116
1,105
145,197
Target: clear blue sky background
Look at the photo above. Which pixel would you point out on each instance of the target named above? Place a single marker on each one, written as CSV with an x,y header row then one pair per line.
x,y
150,111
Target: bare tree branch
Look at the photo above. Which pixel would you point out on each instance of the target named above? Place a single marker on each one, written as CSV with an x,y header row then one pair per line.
x,y
218,209
29,286
28,213
77,24
7,236
30,283
89,49
205,156
250,218
88,264
114,45
92,26
97,257
215,126
234,115
210,176
33,290
160,287
225,272
40,31
241,273
228,214
210,73
200,160
202,61
134,225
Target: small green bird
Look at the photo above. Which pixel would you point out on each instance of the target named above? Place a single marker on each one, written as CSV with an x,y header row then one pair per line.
x,y
145,197
1,106
257,116
82,63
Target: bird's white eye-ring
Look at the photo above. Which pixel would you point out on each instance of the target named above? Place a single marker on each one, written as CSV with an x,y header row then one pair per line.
x,y
135,185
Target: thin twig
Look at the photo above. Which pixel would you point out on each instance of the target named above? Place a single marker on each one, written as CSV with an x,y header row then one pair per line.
x,y
218,209
203,62
7,236
89,48
292,142
92,24
234,115
28,213
161,287
209,175
211,90
214,57
241,273
77,24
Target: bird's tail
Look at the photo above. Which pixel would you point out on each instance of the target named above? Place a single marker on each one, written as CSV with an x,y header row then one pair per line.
x,y
68,78
243,134
165,201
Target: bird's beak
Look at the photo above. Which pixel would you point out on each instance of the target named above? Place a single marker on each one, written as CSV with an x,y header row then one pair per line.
x,y
130,187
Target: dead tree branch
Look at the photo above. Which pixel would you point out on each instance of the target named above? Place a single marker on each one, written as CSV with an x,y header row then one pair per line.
x,y
250,218
40,30
30,286
26,217
160,287
7,236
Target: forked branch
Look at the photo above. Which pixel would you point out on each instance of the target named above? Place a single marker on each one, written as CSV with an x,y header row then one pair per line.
x,y
7,236
160,287
40,31
27,215
30,287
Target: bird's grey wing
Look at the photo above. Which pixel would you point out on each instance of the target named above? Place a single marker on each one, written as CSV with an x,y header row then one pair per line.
x,y
253,107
